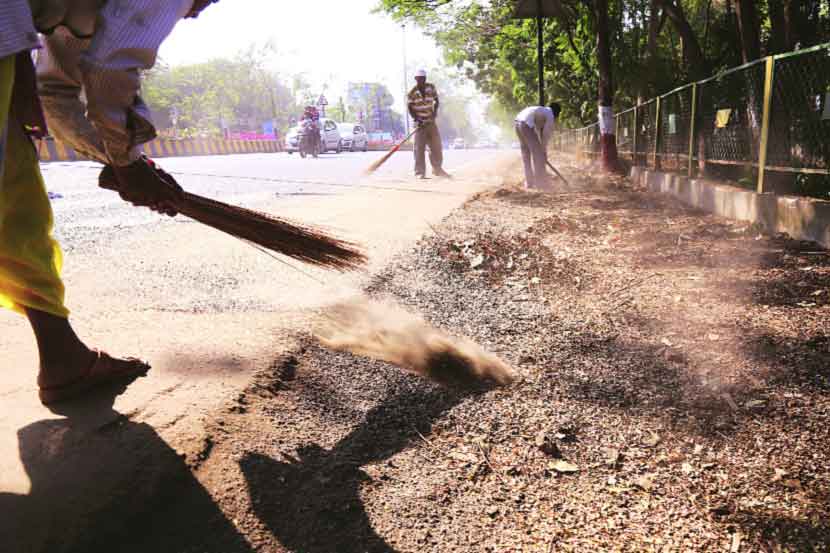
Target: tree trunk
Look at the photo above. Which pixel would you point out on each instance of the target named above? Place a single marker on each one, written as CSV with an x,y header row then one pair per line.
x,y
778,25
792,23
748,30
655,24
698,68
608,139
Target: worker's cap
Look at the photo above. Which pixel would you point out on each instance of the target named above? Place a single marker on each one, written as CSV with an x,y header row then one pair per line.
x,y
421,73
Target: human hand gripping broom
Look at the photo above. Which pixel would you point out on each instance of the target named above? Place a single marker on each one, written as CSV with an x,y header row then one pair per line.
x,y
376,165
143,183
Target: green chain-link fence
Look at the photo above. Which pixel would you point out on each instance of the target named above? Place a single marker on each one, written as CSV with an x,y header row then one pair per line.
x,y
766,123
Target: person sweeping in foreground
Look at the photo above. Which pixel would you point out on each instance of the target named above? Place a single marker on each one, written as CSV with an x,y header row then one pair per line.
x,y
423,106
534,127
105,65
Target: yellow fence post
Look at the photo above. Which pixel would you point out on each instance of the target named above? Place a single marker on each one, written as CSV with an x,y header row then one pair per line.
x,y
657,137
692,130
762,153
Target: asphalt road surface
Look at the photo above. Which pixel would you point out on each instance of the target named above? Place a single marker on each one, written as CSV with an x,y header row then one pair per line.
x,y
207,311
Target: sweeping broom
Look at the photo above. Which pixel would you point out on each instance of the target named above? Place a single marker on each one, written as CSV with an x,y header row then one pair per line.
x,y
376,165
555,170
302,242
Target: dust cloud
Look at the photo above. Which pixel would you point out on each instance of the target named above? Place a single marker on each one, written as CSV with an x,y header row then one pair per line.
x,y
383,330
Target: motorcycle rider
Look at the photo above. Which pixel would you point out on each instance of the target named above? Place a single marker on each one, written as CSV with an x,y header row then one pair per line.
x,y
310,123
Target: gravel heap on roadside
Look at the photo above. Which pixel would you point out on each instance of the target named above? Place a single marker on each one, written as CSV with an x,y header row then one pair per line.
x,y
674,394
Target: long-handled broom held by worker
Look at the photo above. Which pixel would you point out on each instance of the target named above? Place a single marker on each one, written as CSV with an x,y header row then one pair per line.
x,y
555,170
376,165
302,242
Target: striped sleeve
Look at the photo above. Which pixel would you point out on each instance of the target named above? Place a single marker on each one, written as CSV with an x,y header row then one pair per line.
x,y
17,30
127,38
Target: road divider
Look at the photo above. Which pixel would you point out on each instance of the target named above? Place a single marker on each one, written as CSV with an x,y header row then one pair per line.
x,y
55,150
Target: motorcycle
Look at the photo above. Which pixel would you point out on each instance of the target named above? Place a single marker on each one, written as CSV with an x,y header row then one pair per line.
x,y
309,139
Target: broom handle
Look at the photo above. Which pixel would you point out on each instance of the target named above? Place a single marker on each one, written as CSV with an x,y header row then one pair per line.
x,y
402,142
555,170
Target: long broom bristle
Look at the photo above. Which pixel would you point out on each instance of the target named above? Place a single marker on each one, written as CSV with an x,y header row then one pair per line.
x,y
301,242
376,165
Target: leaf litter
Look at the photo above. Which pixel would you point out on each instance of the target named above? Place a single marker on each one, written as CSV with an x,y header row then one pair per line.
x,y
685,411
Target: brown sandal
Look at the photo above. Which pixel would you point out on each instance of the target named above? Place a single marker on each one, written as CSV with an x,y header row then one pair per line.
x,y
100,373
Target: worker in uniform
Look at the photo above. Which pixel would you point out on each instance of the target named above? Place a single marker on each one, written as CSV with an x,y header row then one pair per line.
x,y
534,126
423,106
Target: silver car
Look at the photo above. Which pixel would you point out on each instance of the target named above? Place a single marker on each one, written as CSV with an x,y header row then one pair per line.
x,y
329,137
354,137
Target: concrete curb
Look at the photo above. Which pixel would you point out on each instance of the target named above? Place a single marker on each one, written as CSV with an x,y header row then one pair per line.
x,y
801,218
54,150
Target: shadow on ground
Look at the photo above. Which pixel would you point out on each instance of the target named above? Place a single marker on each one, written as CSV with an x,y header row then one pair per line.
x,y
311,502
95,476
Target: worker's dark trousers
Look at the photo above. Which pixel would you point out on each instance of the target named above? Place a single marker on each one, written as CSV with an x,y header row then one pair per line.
x,y
533,156
428,136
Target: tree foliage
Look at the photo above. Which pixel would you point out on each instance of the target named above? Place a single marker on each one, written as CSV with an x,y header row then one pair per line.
x,y
239,92
656,45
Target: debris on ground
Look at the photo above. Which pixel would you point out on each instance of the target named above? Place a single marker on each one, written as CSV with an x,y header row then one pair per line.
x,y
673,393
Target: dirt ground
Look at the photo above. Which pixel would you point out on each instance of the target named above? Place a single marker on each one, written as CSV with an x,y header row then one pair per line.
x,y
674,395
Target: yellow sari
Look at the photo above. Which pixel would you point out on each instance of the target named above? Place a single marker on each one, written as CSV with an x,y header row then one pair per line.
x,y
30,259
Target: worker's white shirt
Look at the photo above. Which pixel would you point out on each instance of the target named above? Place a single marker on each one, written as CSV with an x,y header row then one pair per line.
x,y
539,118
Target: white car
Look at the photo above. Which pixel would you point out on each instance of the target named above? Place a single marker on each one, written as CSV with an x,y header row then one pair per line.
x,y
459,144
329,137
354,137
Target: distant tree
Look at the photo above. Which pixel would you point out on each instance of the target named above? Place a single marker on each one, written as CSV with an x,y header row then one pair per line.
x,y
240,91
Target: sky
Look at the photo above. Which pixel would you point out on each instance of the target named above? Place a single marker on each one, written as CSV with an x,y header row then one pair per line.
x,y
332,41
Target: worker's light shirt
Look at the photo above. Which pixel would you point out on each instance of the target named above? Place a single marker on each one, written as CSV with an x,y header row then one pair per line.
x,y
100,48
17,31
539,118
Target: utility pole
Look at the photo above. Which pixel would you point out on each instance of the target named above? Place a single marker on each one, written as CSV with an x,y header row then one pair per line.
x,y
405,81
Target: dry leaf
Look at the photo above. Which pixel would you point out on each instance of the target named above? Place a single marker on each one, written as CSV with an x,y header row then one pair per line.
x,y
736,542
463,457
651,440
792,484
728,399
560,465
645,482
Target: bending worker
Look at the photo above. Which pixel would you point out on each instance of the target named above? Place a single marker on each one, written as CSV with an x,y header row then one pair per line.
x,y
423,107
534,127
97,48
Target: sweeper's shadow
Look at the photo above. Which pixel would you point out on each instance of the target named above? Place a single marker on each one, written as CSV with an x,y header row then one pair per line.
x,y
312,503
101,483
